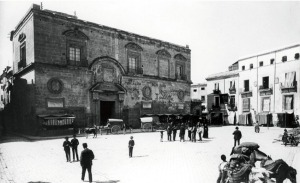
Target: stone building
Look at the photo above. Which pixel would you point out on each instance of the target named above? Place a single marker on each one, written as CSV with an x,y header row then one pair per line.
x,y
262,87
64,65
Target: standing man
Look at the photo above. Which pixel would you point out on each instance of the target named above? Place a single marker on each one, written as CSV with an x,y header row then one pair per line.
x,y
130,146
86,158
74,143
174,132
169,132
237,136
182,132
66,146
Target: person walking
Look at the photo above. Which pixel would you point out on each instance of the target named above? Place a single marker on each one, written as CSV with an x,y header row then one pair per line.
x,y
256,128
174,132
222,171
205,131
124,128
194,131
86,158
182,132
199,131
67,144
130,146
237,135
74,144
190,132
169,131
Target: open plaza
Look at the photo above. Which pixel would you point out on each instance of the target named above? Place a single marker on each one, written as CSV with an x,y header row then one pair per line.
x,y
24,161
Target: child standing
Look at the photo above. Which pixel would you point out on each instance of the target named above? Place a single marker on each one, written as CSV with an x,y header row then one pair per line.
x,y
130,146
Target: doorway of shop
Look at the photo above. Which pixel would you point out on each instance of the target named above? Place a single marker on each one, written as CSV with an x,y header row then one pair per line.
x,y
106,111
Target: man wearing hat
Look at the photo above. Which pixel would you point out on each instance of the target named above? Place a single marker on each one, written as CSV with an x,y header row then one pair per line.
x,y
66,146
237,136
130,146
74,143
86,161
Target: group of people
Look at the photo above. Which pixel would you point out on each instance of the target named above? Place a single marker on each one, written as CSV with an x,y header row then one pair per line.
x,y
193,132
86,155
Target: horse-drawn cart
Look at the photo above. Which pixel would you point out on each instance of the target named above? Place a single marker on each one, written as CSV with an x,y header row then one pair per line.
x,y
114,125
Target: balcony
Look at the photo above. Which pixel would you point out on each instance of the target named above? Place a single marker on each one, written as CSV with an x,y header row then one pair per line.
x,y
232,90
180,77
22,64
245,93
289,89
216,91
265,90
232,107
135,71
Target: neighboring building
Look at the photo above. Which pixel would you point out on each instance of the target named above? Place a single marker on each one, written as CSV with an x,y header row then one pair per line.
x,y
64,65
199,92
266,88
5,87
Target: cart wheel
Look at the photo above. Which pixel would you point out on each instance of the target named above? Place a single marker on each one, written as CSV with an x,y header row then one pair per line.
x,y
147,127
115,129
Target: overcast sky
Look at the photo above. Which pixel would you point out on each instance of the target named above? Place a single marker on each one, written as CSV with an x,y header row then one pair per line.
x,y
218,33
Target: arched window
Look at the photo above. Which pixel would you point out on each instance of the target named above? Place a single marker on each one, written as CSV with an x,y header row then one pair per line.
x,y
163,63
76,47
134,65
180,67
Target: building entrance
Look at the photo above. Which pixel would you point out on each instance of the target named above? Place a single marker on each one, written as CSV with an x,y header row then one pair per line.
x,y
107,110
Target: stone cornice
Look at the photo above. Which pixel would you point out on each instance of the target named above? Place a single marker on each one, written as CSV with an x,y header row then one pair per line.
x,y
35,9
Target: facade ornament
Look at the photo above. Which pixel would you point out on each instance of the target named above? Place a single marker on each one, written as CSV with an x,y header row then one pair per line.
x,y
164,53
147,92
55,85
180,95
180,57
133,46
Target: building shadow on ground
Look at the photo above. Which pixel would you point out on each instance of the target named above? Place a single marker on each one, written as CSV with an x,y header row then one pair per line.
x,y
12,138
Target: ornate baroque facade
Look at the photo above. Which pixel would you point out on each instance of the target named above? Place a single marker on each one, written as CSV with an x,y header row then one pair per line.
x,y
66,65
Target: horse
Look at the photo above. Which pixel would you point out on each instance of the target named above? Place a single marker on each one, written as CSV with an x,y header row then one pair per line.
x,y
281,170
91,131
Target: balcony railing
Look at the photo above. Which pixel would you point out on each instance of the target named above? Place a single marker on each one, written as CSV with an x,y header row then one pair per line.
x,y
288,89
216,91
22,64
245,92
232,90
180,77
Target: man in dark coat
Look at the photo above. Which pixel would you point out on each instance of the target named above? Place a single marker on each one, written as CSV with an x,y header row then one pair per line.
x,y
182,132
74,143
67,145
86,158
174,132
169,132
237,136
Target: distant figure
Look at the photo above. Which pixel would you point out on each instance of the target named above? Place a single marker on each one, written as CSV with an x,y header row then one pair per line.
x,y
222,171
169,132
190,132
124,128
86,158
182,132
130,128
67,144
174,132
194,131
161,135
75,143
205,131
130,146
256,128
108,128
199,131
237,136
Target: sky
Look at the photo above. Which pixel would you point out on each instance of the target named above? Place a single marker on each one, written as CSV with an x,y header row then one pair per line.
x,y
217,32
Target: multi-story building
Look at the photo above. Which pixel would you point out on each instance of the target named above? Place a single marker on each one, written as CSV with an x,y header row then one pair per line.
x,y
199,92
64,65
265,87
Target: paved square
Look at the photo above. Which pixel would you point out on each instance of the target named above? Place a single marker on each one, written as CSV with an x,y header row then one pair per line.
x,y
153,161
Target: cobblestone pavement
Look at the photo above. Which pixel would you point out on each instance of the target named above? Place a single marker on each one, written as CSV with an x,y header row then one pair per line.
x,y
153,161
